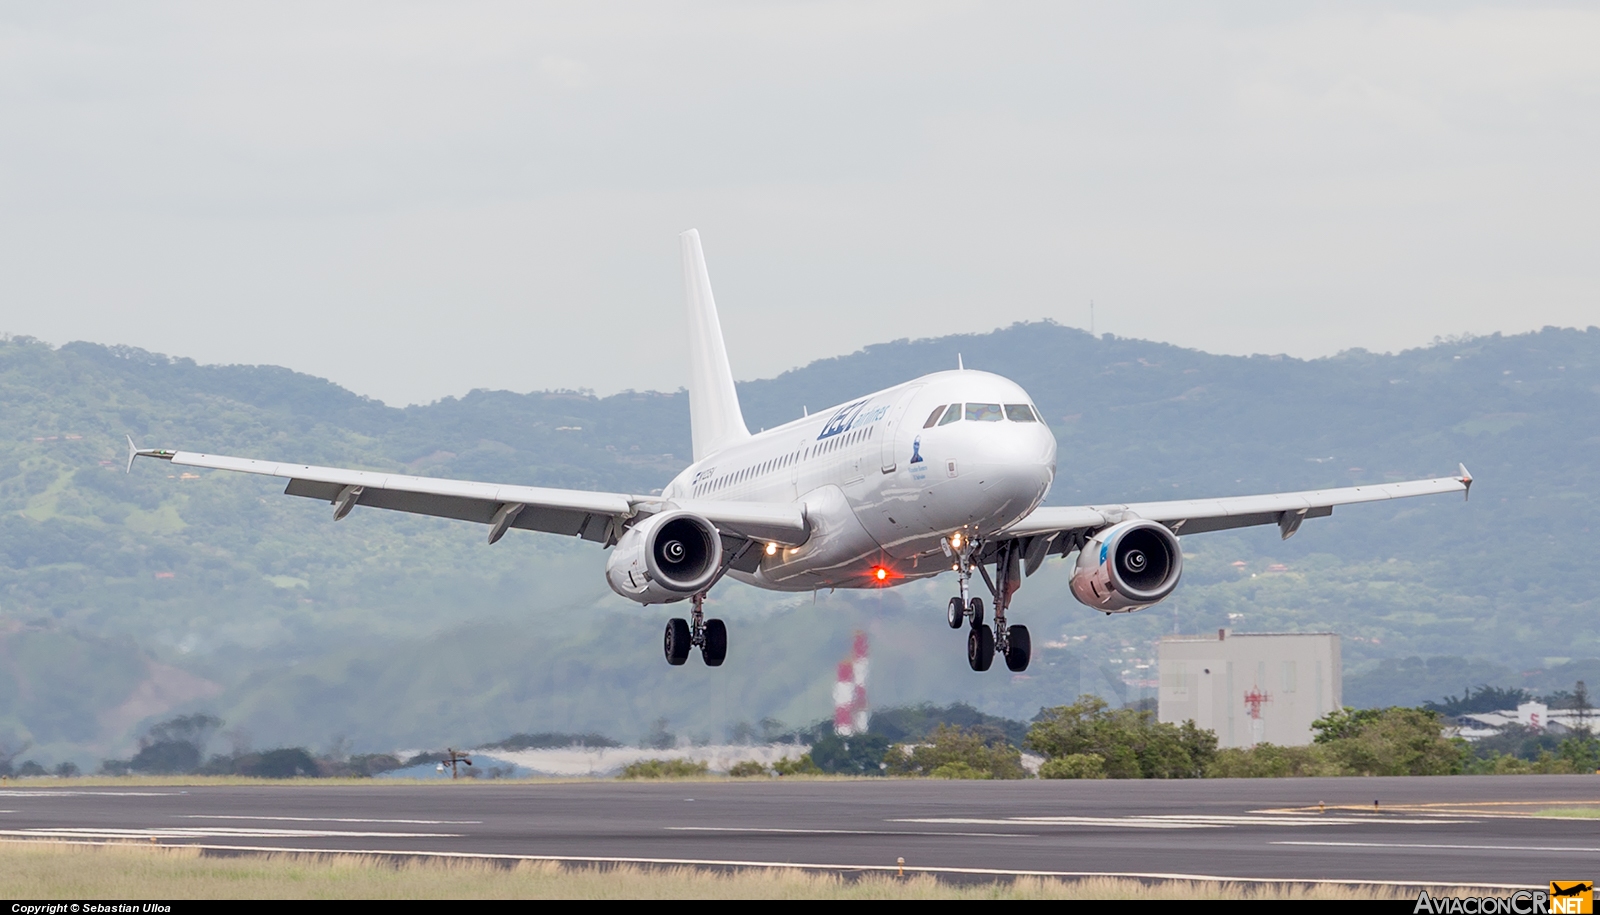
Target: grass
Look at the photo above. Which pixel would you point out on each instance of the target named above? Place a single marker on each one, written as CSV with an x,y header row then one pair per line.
x,y
61,870
1586,813
198,781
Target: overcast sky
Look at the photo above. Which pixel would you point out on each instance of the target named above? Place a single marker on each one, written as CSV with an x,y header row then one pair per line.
x,y
418,200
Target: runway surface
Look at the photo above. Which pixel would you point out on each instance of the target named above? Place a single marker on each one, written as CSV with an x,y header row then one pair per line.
x,y
1461,829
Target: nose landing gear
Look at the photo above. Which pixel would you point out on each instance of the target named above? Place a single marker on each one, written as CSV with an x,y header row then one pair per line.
x,y
1012,642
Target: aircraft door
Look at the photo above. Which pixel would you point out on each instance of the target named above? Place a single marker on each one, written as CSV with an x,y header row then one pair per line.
x,y
794,469
889,446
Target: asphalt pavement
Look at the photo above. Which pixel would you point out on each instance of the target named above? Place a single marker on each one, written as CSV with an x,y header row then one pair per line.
x,y
1463,829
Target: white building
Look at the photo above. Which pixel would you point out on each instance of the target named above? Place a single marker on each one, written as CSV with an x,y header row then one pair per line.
x,y
1534,715
1253,687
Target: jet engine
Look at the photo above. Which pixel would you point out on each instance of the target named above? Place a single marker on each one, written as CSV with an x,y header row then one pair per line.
x,y
666,557
1127,567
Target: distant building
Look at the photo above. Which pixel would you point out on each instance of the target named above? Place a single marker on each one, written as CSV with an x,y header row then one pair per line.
x,y
1252,687
1532,715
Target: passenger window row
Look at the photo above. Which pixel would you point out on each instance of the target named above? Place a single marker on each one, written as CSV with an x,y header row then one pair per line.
x,y
750,473
981,413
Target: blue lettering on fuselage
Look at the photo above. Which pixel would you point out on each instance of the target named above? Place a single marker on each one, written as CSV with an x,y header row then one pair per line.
x,y
841,419
852,417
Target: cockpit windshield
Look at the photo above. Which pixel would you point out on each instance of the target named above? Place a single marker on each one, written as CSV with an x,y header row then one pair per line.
x,y
981,413
984,413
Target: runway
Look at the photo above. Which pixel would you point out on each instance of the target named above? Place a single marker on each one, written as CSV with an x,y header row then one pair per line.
x,y
1475,830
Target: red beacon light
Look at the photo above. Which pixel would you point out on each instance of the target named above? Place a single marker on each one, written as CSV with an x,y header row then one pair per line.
x,y
880,574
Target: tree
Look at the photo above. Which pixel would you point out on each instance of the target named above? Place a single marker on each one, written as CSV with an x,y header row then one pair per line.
x,y
1129,742
659,737
1485,698
954,752
1391,741
858,754
172,747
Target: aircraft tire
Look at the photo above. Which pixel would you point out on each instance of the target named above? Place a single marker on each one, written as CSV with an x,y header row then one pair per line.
x,y
955,614
715,649
1019,647
975,611
675,643
980,647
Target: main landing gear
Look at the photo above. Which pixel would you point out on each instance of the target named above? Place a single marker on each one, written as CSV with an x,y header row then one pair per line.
x,y
1012,642
710,636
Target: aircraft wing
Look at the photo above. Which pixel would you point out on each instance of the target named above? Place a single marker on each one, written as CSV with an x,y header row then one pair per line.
x,y
597,516
1063,525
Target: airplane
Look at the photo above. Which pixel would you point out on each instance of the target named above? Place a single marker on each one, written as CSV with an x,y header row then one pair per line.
x,y
946,472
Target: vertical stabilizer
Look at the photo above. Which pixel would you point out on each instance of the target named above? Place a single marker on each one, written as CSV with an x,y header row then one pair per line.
x,y
715,420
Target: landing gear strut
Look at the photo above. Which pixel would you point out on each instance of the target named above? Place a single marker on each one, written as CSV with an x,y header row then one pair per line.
x,y
1012,642
710,636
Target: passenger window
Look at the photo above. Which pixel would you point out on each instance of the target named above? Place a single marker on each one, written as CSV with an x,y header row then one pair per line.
x,y
934,416
983,413
1020,413
951,415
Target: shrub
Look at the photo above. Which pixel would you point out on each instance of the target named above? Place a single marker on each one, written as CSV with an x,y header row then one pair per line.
x,y
1074,765
665,768
801,766
750,768
956,751
1267,760
958,770
1546,764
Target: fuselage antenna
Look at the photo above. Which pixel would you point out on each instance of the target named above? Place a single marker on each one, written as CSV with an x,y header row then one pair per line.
x,y
959,366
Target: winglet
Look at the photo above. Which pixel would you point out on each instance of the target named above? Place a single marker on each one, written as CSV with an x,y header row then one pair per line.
x,y
135,451
1466,479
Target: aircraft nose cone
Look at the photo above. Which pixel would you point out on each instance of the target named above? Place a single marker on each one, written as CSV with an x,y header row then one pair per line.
x,y
1013,469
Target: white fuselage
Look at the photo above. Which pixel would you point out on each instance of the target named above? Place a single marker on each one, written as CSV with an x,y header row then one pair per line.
x,y
882,487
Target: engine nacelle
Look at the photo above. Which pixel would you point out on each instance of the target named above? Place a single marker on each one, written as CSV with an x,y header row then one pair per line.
x,y
1127,567
666,557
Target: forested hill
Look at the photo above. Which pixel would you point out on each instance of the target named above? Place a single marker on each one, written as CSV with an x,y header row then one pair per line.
x,y
203,589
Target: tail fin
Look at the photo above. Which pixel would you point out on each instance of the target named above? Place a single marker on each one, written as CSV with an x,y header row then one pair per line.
x,y
715,420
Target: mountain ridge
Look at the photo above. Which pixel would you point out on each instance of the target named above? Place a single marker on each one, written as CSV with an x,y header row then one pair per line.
x,y
223,578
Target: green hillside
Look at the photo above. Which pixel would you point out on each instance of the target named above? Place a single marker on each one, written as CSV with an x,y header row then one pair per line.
x,y
126,596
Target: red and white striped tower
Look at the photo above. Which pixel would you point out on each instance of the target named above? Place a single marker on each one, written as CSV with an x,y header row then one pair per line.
x,y
851,714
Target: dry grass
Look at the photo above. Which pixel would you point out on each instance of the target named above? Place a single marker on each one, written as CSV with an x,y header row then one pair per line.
x,y
1587,813
59,870
195,781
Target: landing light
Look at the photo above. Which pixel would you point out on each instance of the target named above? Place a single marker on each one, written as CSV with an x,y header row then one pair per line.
x,y
772,549
955,540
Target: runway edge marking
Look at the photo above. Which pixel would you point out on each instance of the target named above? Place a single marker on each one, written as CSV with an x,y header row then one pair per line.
x,y
791,865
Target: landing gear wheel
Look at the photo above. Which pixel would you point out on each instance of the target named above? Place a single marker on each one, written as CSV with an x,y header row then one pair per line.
x,y
975,611
980,647
955,615
676,641
715,649
1019,646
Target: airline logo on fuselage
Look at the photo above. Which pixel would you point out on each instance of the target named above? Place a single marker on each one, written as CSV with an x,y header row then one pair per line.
x,y
849,417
